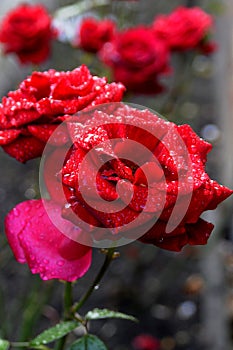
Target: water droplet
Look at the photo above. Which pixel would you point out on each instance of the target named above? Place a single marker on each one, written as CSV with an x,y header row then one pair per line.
x,y
190,179
60,262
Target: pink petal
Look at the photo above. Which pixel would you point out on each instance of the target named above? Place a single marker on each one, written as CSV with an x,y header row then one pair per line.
x,y
35,240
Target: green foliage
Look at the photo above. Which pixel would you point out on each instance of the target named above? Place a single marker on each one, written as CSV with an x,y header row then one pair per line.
x,y
4,344
97,314
54,333
88,342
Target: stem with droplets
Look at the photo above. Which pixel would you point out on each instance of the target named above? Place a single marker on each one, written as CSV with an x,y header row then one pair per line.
x,y
108,259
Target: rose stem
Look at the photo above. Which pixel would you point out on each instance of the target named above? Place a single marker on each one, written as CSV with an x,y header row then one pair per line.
x,y
108,259
180,86
68,301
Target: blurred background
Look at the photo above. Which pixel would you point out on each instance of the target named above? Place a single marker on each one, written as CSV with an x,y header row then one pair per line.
x,y
183,299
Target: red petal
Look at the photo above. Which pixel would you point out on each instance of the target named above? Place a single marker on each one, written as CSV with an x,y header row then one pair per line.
x,y
110,93
193,142
44,132
71,168
199,232
7,136
46,250
220,193
81,214
25,148
154,173
51,169
18,112
86,137
120,217
157,236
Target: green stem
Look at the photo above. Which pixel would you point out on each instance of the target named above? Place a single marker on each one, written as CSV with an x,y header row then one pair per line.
x,y
70,310
68,299
19,344
183,72
32,306
60,343
108,259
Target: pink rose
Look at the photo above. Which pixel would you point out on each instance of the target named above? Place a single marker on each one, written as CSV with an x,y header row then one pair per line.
x,y
36,241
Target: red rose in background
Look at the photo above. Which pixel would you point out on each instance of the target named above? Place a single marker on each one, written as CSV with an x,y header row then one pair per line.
x,y
36,241
116,178
137,59
27,32
29,115
184,29
93,34
146,342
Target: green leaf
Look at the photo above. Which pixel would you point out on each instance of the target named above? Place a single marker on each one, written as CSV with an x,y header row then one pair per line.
x,y
4,344
54,333
97,314
88,342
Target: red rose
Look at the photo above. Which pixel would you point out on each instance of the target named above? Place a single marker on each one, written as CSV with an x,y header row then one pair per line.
x,y
29,115
27,32
137,59
142,197
184,29
36,241
146,342
93,34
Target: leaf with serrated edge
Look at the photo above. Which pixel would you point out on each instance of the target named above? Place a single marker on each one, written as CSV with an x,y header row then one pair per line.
x,y
97,314
88,342
54,333
4,344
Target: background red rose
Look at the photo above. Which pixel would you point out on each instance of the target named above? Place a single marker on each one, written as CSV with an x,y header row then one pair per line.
x,y
27,32
146,342
137,59
93,33
29,115
185,28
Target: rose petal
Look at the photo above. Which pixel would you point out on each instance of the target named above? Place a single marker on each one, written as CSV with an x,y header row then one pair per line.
x,y
7,136
220,193
154,173
35,240
25,148
193,142
44,132
199,232
51,169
